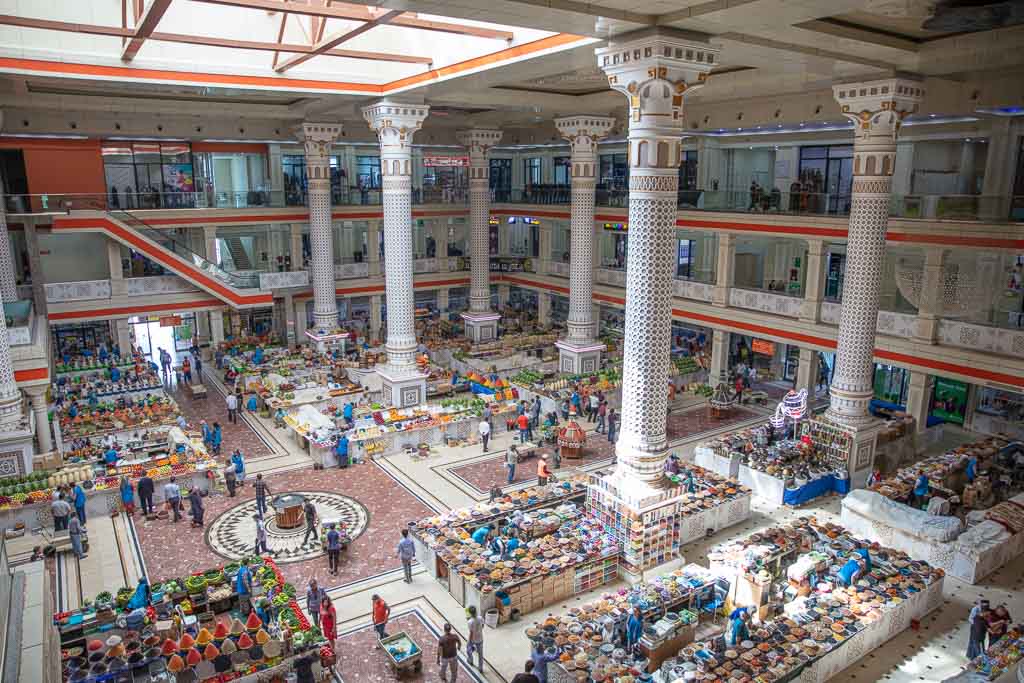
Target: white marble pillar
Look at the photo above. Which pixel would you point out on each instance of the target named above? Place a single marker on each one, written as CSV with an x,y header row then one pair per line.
x,y
8,283
814,289
122,335
807,371
37,397
653,71
719,370
10,395
317,139
481,322
216,328
295,246
725,271
373,248
376,318
543,309
579,352
919,396
929,309
877,109
395,123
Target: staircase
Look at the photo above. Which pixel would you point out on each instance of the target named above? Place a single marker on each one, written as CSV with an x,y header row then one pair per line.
x,y
239,255
238,291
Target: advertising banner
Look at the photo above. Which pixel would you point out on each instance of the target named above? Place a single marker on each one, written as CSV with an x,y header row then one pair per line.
x,y
949,401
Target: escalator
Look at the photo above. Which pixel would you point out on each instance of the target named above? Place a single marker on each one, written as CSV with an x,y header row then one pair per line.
x,y
238,291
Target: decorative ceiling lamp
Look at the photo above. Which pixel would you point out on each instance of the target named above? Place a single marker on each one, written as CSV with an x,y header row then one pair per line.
x,y
958,292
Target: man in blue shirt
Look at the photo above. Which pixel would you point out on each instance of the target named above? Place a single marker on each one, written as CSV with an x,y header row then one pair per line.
x,y
347,413
115,374
480,535
334,543
972,469
541,658
921,489
341,450
79,497
243,583
740,631
851,571
406,553
110,457
257,356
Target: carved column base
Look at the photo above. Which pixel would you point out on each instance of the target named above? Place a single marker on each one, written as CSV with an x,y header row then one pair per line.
x,y
577,358
402,387
481,327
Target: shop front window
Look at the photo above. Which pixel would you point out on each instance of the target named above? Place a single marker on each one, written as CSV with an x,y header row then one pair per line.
x,y
825,182
891,384
562,174
294,179
149,175
501,179
233,179
368,172
684,258
614,171
531,171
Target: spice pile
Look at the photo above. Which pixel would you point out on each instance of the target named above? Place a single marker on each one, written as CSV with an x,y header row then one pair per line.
x,y
106,417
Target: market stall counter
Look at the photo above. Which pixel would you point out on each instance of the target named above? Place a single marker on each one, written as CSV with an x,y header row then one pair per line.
x,y
1000,663
969,555
560,554
826,625
315,432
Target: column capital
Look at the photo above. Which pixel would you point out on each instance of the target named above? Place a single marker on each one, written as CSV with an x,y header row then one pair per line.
x,y
583,132
317,139
395,123
878,107
654,70
478,141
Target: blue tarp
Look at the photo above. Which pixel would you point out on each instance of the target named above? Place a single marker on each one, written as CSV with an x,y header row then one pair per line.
x,y
480,389
812,490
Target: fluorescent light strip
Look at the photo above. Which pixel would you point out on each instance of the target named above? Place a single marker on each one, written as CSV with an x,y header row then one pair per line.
x,y
44,136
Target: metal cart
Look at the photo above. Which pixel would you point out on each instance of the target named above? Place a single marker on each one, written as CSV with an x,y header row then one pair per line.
x,y
410,662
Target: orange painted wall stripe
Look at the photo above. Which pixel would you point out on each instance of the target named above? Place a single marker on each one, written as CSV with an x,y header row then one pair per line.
x,y
33,374
122,311
156,254
1013,380
956,240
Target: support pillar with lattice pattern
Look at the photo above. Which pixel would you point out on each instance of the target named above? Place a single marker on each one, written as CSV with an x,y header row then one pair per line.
x,y
481,322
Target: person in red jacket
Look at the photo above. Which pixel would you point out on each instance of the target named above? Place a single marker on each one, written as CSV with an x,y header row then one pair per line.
x,y
543,473
523,423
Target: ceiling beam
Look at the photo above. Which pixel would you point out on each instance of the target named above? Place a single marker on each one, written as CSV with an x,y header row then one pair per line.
x,y
862,34
335,40
92,29
144,27
280,37
319,34
360,13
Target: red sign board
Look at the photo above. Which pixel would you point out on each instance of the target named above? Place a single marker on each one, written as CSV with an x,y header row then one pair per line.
x,y
765,348
170,321
446,161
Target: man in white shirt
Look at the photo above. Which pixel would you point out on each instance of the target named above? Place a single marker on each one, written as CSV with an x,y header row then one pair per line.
x,y
232,408
485,433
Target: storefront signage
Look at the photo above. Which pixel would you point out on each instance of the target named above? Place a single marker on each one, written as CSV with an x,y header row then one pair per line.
x,y
511,265
765,348
616,227
493,221
950,400
446,161
170,321
526,220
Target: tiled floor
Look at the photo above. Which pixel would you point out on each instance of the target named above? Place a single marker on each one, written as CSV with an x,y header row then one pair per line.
x,y
214,409
173,550
696,421
485,473
360,660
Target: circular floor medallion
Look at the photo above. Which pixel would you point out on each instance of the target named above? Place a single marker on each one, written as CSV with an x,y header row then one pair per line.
x,y
233,534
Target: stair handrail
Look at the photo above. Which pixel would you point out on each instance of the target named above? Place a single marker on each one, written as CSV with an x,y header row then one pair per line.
x,y
199,261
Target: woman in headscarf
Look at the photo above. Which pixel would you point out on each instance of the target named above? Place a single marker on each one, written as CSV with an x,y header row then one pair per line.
x,y
195,501
127,496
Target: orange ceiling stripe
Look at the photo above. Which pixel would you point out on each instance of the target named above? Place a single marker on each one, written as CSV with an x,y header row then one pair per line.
x,y
29,375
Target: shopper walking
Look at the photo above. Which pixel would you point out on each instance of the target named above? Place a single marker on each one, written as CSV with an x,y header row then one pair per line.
x,y
127,496
381,614
511,460
541,657
448,654
216,438
406,553
527,675
602,410
230,478
476,638
523,423
78,495
196,508
543,472
61,512
534,416
333,549
314,596
485,432
172,496
592,408
261,536
328,620
262,491
145,490
232,403
238,460
75,530
309,511
977,625
613,425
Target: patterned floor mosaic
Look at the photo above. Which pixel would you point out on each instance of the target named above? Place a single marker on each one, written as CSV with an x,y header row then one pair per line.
x,y
214,409
483,474
173,550
231,534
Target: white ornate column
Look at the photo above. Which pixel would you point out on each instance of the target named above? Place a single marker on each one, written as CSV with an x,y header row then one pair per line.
x,y
543,309
919,395
808,370
929,309
814,291
725,272
579,352
10,395
395,123
481,322
37,397
719,370
216,328
654,71
877,108
8,283
317,139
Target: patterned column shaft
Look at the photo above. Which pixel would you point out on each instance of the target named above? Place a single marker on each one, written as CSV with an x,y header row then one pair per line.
x,y
582,132
317,139
653,71
39,408
478,142
876,108
395,123
10,395
8,283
